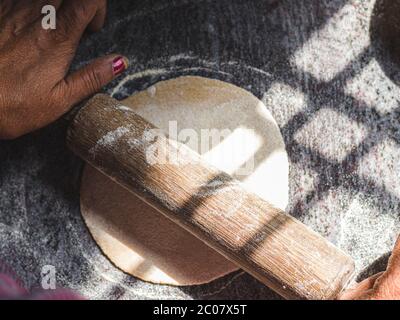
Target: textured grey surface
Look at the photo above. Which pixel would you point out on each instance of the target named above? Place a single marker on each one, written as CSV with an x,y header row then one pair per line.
x,y
320,68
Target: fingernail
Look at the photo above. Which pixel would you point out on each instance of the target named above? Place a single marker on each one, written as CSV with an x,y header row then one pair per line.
x,y
120,64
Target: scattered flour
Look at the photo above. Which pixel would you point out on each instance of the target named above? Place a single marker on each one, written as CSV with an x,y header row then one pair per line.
x,y
135,143
181,56
218,186
138,75
124,108
110,138
173,66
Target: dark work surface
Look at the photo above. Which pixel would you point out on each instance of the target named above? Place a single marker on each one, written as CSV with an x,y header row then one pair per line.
x,y
312,62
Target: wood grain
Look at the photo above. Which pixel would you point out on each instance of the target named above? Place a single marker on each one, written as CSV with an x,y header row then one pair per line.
x,y
275,248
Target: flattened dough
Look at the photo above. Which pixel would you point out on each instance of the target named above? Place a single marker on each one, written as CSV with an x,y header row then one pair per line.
x,y
141,241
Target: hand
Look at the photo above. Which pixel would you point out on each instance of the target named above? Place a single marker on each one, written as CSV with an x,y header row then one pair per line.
x,y
35,86
382,286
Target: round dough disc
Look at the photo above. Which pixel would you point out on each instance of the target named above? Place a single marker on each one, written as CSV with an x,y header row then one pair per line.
x,y
235,133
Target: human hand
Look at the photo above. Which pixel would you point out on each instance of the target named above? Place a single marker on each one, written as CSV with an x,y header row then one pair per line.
x,y
382,286
35,87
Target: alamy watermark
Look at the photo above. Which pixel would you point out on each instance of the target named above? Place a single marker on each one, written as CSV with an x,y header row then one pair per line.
x,y
160,150
49,21
48,275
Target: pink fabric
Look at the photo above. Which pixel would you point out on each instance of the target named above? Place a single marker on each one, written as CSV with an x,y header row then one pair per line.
x,y
11,288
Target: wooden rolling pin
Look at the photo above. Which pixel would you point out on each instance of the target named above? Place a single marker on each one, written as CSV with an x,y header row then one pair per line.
x,y
275,248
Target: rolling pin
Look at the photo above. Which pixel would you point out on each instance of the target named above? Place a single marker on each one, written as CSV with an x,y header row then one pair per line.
x,y
275,248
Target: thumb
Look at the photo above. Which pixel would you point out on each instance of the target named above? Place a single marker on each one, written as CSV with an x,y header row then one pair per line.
x,y
91,78
393,267
360,290
388,286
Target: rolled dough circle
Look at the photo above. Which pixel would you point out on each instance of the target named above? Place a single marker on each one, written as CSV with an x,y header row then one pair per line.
x,y
233,131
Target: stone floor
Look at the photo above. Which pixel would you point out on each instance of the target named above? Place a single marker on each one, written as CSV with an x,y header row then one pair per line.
x,y
327,71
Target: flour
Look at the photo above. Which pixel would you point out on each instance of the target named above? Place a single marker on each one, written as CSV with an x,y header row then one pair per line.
x,y
124,108
109,139
135,143
216,187
138,75
182,63
181,56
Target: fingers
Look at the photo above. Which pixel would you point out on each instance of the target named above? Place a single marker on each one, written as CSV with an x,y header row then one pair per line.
x,y
25,12
388,285
74,16
385,285
21,15
67,93
361,289
90,79
394,261
98,21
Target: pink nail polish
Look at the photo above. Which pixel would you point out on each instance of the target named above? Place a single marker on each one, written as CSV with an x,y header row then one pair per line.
x,y
120,64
